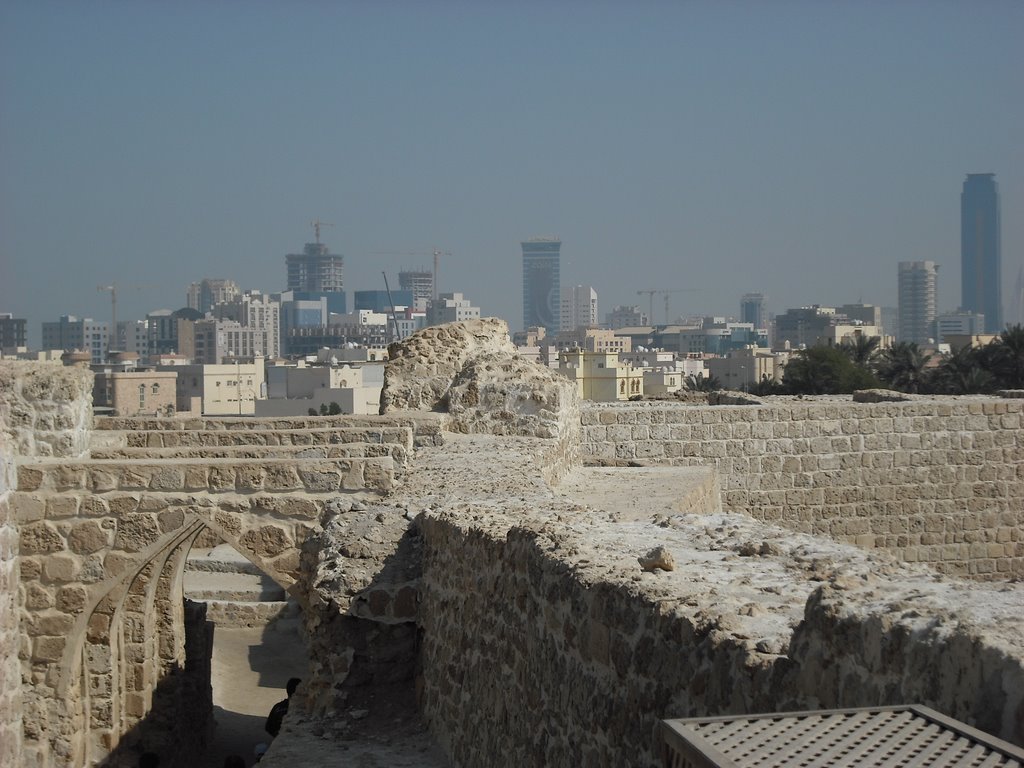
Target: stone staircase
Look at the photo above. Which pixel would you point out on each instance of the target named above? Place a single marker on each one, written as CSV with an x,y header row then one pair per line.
x,y
236,592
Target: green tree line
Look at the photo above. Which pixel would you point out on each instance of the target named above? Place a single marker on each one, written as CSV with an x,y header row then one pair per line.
x,y
860,364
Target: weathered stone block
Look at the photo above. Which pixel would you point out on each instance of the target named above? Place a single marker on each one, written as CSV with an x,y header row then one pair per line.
x,y
267,541
40,537
88,537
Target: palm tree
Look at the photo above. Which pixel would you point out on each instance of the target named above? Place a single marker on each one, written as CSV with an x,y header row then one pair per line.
x,y
1008,357
824,370
902,366
697,383
862,350
963,372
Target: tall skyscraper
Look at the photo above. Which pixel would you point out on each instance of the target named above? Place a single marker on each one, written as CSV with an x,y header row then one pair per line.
x,y
918,289
981,264
754,310
541,283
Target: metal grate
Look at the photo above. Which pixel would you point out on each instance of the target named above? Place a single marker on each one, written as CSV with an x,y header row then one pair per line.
x,y
886,737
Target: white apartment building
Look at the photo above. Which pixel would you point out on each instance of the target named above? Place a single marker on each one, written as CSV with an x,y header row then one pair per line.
x,y
259,312
451,308
578,307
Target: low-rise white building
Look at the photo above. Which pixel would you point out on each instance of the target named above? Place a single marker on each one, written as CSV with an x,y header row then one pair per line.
x,y
300,389
744,369
231,389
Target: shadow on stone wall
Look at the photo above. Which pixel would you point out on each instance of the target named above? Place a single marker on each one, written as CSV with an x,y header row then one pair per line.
x,y
178,725
364,643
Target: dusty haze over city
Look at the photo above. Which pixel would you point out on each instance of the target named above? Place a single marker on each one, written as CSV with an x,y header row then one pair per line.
x,y
793,148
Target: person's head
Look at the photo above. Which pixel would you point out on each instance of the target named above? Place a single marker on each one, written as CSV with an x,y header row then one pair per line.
x,y
149,760
234,761
260,751
292,685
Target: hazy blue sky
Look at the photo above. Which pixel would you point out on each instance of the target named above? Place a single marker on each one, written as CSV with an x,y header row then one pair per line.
x,y
801,149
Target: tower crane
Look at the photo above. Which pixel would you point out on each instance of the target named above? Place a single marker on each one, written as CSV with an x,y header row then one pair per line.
x,y
650,295
316,224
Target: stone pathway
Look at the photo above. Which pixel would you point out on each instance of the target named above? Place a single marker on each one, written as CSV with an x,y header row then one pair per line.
x,y
250,668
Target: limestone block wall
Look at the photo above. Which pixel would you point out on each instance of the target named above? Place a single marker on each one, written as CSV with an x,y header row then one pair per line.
x,y
539,650
45,410
939,481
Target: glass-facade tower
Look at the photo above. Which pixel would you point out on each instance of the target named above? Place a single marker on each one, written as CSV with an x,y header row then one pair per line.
x,y
980,250
541,283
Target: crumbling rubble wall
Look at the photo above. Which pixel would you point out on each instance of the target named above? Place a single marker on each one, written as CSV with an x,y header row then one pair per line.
x,y
939,480
472,371
545,648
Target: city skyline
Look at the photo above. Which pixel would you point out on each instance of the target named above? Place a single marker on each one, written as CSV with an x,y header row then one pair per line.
x,y
791,149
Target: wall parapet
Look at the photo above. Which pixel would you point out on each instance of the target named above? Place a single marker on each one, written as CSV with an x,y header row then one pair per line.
x,y
934,480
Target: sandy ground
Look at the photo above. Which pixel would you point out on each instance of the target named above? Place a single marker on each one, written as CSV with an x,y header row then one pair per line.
x,y
250,668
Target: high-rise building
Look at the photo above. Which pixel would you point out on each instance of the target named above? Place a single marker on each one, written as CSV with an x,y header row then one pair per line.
x,y
578,308
209,292
754,310
421,283
315,272
918,291
541,283
259,314
980,250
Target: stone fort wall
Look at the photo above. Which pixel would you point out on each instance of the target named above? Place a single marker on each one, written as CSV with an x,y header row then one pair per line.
x,y
938,481
44,411
545,644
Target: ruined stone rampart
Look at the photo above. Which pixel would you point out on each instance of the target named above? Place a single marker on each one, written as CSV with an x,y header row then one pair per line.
x,y
939,481
472,372
545,644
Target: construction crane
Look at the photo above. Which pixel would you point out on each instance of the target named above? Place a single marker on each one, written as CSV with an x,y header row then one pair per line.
x,y
435,252
666,294
316,224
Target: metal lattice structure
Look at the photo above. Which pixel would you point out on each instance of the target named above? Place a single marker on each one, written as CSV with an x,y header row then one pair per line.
x,y
873,736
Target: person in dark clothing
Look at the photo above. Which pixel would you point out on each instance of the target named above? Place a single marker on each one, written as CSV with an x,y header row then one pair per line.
x,y
234,761
279,710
